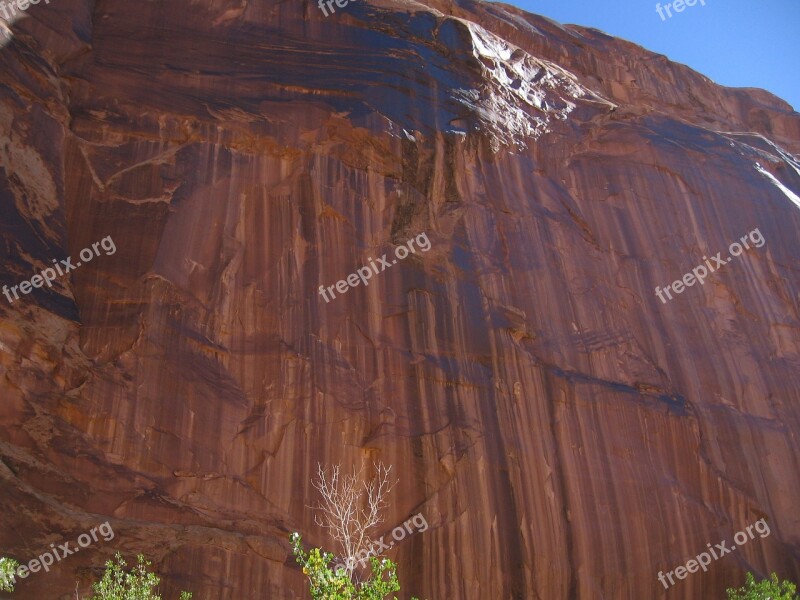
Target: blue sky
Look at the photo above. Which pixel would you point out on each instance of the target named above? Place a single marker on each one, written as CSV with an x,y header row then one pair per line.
x,y
738,43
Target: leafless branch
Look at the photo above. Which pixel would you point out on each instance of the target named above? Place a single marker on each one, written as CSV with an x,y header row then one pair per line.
x,y
352,507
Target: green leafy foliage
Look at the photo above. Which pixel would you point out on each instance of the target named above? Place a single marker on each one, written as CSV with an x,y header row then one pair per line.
x,y
325,584
138,584
116,584
8,567
768,589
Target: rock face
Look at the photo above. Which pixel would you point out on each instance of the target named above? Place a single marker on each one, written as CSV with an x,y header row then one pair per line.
x,y
564,432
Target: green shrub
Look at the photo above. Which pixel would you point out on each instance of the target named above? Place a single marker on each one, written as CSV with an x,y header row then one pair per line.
x,y
324,584
116,584
8,568
138,584
768,589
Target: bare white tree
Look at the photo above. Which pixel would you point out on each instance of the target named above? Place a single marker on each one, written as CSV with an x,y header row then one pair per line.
x,y
351,507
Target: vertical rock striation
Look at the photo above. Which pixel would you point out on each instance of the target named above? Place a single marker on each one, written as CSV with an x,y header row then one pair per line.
x,y
565,433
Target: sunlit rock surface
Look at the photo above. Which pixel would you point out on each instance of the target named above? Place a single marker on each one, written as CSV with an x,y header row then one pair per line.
x,y
565,434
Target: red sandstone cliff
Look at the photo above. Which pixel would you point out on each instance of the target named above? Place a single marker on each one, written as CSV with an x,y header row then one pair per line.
x,y
565,434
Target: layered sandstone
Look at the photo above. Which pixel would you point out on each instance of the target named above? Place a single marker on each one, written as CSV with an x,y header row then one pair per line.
x,y
565,434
